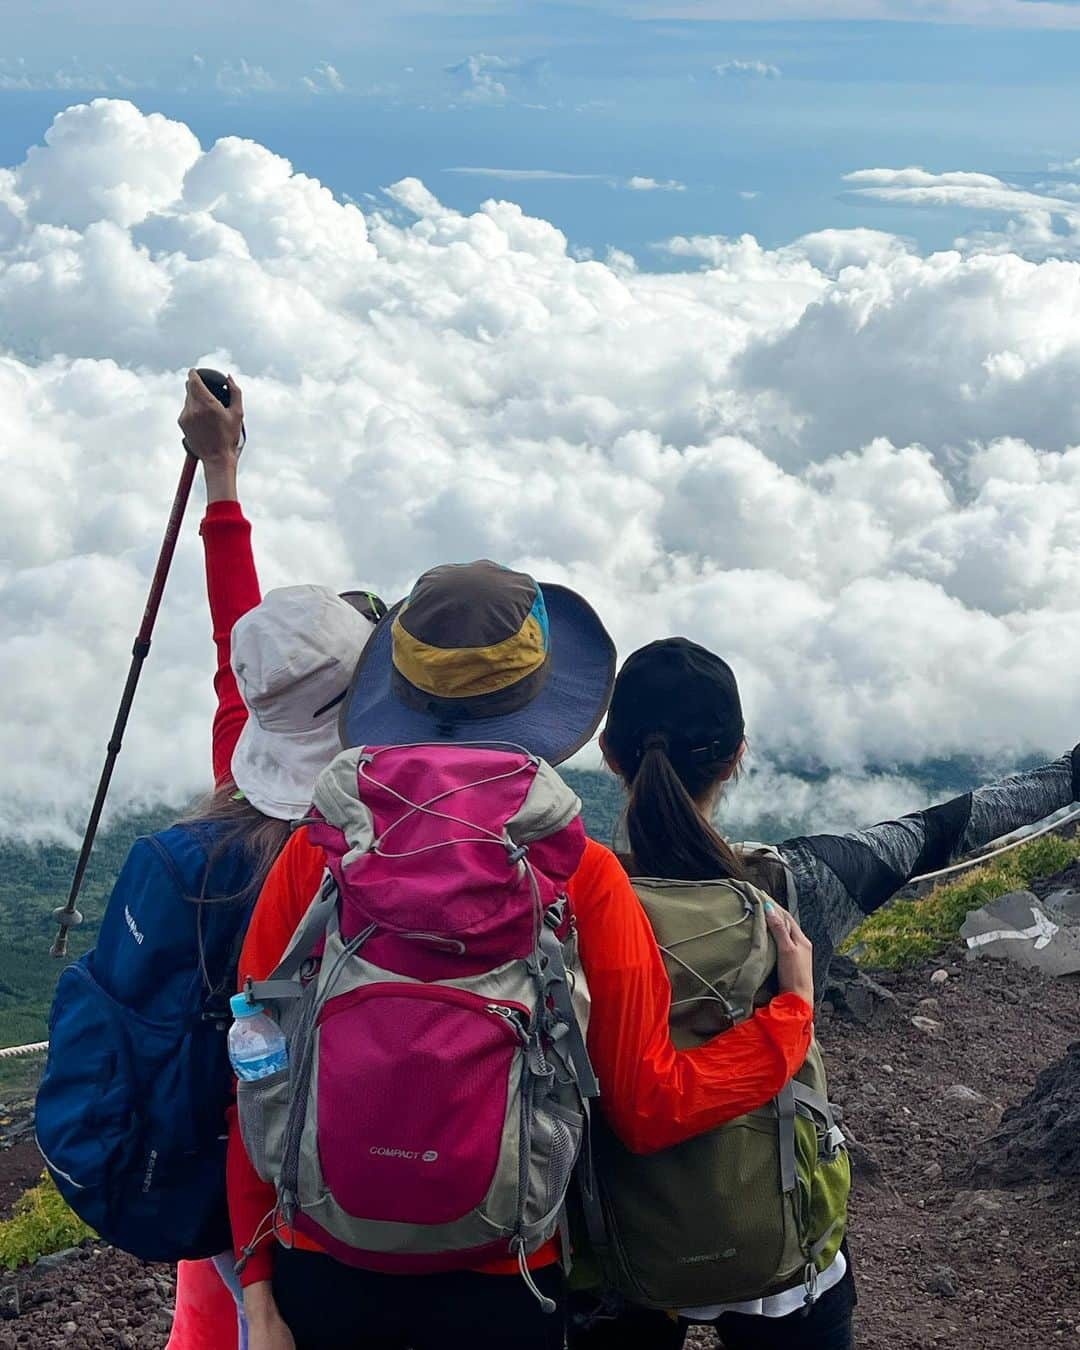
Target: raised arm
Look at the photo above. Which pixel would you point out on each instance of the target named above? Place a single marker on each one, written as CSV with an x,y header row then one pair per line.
x,y
840,878
213,434
654,1095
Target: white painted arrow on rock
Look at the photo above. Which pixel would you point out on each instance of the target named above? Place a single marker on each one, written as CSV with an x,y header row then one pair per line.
x,y
1042,930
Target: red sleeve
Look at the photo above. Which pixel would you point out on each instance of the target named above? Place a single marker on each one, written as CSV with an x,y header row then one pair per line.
x,y
290,887
233,588
654,1095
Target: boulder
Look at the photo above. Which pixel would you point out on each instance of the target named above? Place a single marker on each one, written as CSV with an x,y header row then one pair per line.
x,y
853,994
1039,1139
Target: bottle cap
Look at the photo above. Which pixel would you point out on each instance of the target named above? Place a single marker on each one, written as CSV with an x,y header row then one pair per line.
x,y
242,1008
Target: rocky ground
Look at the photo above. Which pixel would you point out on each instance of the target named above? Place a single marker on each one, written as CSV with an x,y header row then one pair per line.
x,y
944,1256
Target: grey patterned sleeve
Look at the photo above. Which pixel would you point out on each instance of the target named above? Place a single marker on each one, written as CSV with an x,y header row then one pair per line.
x,y
839,879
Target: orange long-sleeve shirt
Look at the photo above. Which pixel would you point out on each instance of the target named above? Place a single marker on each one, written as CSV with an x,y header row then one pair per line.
x,y
653,1094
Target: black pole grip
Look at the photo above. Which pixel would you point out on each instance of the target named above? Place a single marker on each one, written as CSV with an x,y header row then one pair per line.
x,y
216,383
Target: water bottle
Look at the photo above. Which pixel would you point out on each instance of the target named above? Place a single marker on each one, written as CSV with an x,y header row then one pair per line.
x,y
256,1042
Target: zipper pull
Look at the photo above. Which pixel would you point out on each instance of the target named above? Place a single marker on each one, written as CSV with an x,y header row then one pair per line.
x,y
511,1015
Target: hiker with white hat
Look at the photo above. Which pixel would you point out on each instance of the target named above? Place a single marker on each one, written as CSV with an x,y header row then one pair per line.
x,y
284,663
293,657
483,661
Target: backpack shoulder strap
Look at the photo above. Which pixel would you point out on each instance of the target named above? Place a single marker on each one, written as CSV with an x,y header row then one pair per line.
x,y
557,987
284,982
768,870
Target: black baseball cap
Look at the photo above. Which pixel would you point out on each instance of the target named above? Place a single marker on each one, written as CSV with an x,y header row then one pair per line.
x,y
681,691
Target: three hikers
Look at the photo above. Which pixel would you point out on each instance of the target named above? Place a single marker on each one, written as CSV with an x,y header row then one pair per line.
x,y
458,970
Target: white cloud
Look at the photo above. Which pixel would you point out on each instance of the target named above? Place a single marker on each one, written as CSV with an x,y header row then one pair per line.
x,y
747,70
637,184
634,184
978,191
324,79
527,175
851,468
988,13
239,76
749,196
17,75
491,79
1045,221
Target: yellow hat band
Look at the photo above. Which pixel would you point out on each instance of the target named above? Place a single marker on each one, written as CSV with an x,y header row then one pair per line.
x,y
469,672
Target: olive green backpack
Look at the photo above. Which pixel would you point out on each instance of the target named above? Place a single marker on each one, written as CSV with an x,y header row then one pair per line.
x,y
758,1205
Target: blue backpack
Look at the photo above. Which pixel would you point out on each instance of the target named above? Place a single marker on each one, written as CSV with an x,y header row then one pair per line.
x,y
131,1110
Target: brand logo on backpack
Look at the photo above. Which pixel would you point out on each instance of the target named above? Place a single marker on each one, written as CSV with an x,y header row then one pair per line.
x,y
709,1256
409,1154
133,926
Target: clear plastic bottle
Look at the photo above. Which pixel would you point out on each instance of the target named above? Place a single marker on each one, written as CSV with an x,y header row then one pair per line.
x,y
256,1042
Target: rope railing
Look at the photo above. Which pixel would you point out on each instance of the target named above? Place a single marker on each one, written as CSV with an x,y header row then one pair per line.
x,y
1015,840
18,1051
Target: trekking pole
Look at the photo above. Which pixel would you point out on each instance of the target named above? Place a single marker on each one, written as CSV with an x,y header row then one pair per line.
x,y
67,916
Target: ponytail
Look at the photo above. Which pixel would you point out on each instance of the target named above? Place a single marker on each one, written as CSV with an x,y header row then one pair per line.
x,y
668,835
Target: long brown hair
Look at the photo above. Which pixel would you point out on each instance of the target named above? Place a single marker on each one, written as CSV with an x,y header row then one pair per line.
x,y
667,834
242,825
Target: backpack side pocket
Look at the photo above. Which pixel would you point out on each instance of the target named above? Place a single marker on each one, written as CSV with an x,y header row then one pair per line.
x,y
262,1107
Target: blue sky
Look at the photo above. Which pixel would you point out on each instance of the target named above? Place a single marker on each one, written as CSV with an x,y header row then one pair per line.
x,y
657,123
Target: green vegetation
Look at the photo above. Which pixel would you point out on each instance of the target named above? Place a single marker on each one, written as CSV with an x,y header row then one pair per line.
x,y
602,799
911,930
34,880
40,1225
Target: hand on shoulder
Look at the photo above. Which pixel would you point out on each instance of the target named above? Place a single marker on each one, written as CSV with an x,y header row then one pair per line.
x,y
794,953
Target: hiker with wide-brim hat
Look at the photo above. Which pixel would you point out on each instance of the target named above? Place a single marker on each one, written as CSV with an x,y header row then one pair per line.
x,y
482,653
478,652
675,735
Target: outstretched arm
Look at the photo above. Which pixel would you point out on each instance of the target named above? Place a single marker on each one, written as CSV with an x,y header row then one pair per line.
x,y
840,878
213,435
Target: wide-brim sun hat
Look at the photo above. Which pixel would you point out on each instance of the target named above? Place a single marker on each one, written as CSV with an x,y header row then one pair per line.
x,y
293,656
478,652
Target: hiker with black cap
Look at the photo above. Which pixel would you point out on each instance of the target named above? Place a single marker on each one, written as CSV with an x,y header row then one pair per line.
x,y
744,1226
345,1235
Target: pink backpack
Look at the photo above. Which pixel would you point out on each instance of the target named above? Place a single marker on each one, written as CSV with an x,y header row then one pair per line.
x,y
437,1091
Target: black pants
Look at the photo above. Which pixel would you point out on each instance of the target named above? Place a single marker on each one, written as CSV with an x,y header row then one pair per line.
x,y
330,1306
826,1325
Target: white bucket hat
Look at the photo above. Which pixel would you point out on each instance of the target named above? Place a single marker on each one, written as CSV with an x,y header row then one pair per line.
x,y
293,656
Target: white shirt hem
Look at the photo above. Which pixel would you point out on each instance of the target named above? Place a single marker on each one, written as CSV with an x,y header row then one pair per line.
x,y
776,1305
